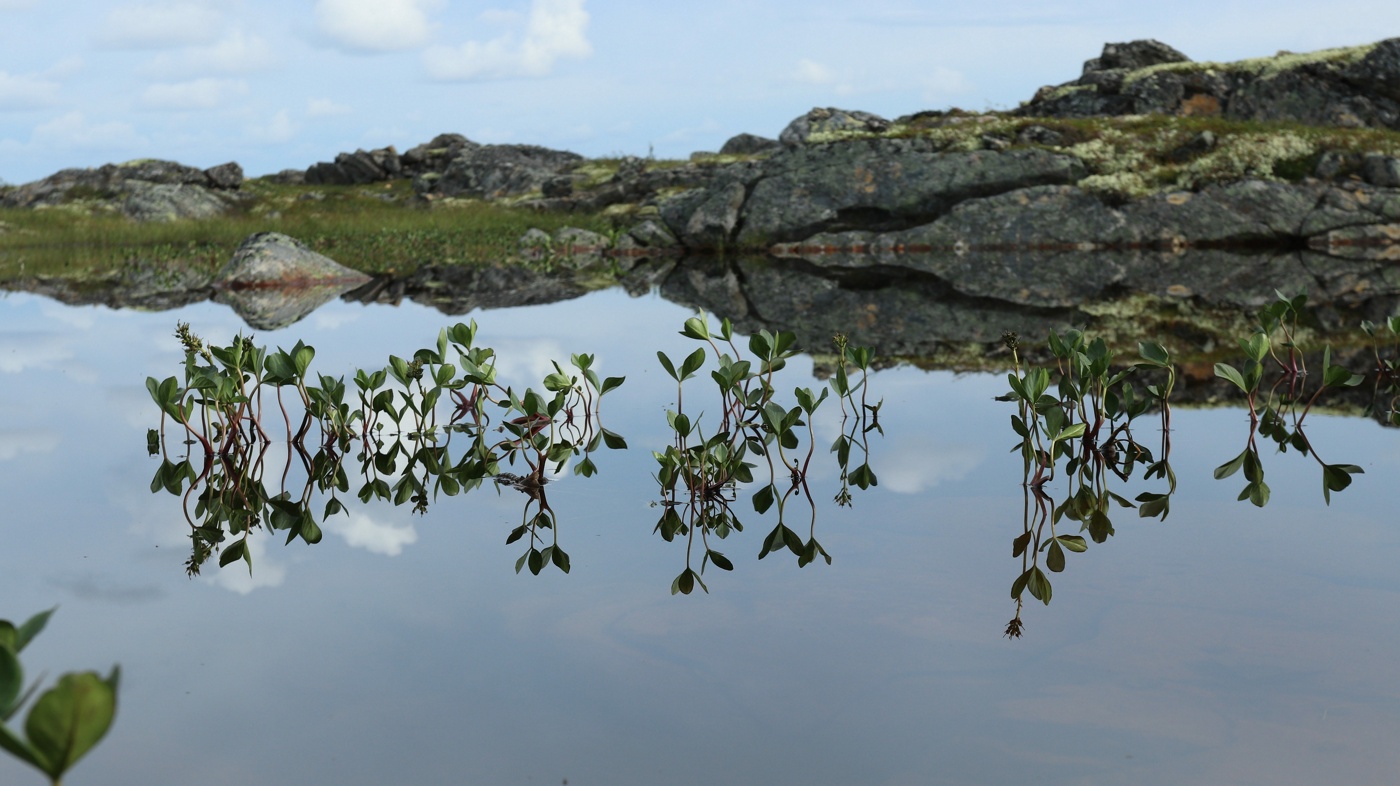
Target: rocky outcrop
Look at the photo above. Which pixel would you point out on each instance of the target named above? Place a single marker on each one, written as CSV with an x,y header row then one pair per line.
x,y
497,171
145,190
357,168
748,144
1356,86
827,124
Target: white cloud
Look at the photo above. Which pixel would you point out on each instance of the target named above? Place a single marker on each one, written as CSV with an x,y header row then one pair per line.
x,y
267,572
13,443
236,53
26,91
160,26
813,73
324,107
363,532
555,29
65,68
279,128
910,469
810,72
74,130
375,25
943,83
195,94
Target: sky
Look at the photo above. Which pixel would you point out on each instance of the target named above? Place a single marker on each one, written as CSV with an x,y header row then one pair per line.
x,y
284,84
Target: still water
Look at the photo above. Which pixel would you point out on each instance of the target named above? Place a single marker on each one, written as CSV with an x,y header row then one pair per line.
x,y
1225,645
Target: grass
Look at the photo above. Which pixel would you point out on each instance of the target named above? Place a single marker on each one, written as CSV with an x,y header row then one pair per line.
x,y
376,229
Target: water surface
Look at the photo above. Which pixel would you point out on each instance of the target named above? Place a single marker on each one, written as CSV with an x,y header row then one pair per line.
x,y
1225,645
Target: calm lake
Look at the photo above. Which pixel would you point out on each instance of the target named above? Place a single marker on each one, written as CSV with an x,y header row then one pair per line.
x,y
1228,644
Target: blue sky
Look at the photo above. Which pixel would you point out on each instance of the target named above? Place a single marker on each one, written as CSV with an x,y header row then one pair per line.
x,y
282,84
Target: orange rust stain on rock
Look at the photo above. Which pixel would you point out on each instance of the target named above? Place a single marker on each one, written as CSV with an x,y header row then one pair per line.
x,y
1179,198
1201,105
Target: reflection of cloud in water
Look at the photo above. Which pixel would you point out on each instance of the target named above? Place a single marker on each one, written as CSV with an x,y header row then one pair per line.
x,y
266,572
13,443
522,363
912,468
96,588
24,351
326,319
363,532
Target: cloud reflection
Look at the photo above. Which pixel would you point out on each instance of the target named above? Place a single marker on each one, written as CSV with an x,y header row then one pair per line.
x,y
363,532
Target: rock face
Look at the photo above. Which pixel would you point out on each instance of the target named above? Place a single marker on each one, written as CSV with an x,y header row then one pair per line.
x,y
496,171
357,168
824,124
748,144
1357,86
146,190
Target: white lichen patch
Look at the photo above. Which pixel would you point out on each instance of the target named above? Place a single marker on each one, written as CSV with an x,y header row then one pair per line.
x,y
1260,67
1245,155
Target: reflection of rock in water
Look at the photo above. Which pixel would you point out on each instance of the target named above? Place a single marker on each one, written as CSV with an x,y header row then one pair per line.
x,y
272,308
274,280
921,306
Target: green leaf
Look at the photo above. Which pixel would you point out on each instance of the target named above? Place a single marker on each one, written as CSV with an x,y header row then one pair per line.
x,y
1019,585
70,718
233,552
1020,544
763,499
559,558
1055,557
1229,372
1154,353
696,328
11,681
719,560
692,363
609,383
666,364
1231,467
1073,543
1039,586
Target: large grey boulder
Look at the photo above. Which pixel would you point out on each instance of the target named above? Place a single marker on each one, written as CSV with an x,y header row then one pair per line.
x,y
748,144
497,171
357,168
829,123
225,176
274,280
435,154
166,202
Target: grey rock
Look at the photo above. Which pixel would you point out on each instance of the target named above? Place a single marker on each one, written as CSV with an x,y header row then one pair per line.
x,y
289,177
748,144
105,182
629,168
1135,54
274,280
434,155
226,176
1379,170
169,202
274,259
882,184
496,171
713,222
650,234
1040,135
1199,144
558,186
830,122
1353,88
535,242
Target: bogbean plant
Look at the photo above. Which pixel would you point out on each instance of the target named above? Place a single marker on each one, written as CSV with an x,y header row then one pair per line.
x,y
405,449
1387,386
65,721
1085,422
1278,413
700,472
